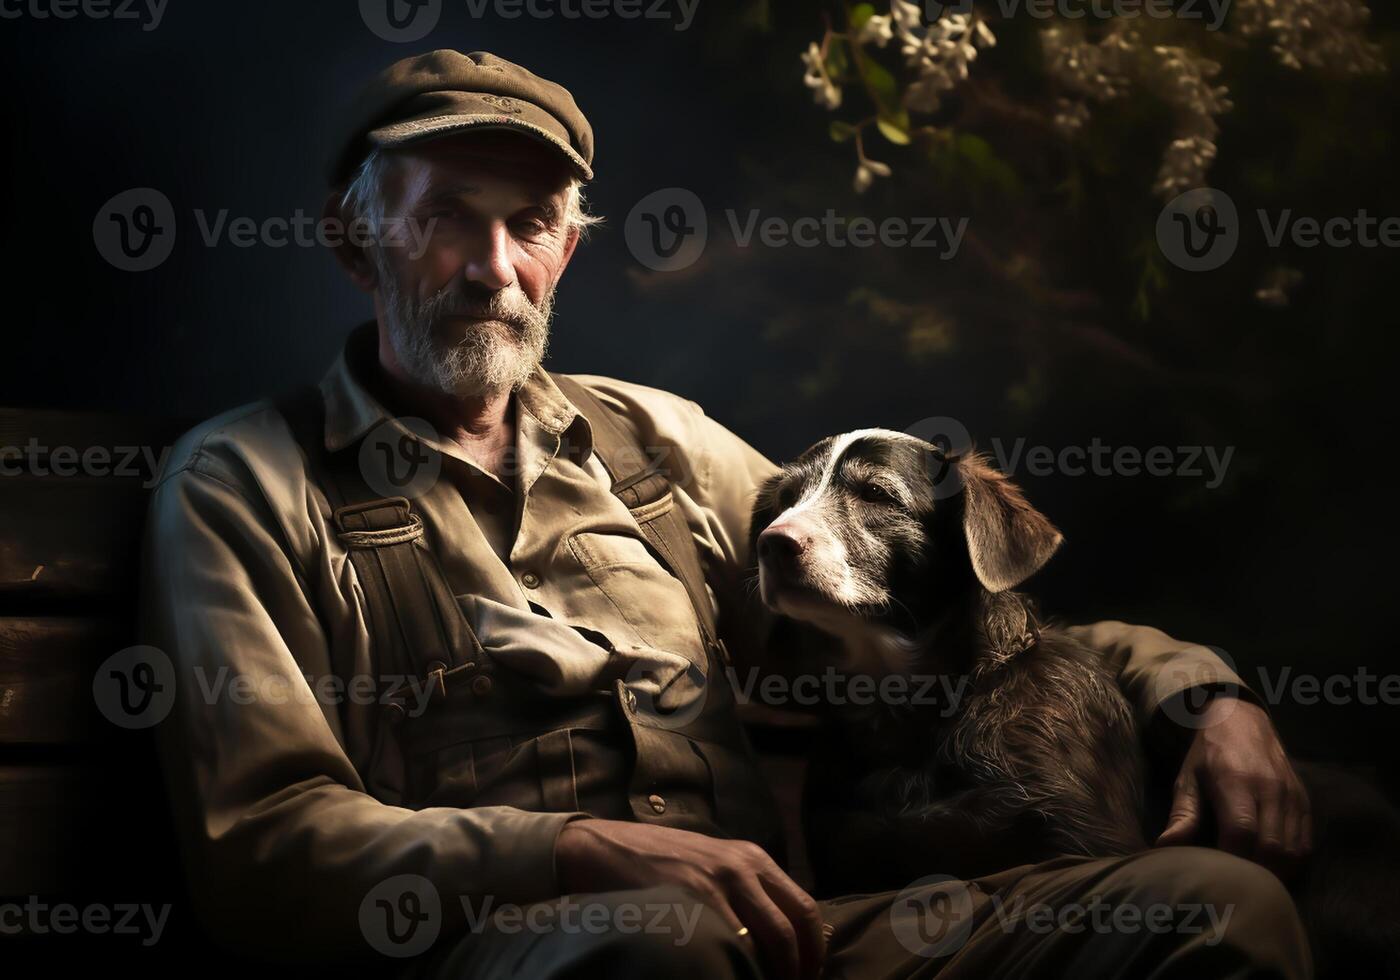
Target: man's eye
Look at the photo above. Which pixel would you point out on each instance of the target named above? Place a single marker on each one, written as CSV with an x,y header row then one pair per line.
x,y
531,227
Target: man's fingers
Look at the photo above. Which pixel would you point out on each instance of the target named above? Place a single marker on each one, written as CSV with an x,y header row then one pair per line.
x,y
1236,816
804,914
1271,833
769,925
1185,817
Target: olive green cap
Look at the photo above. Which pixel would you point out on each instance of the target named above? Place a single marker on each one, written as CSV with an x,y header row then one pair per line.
x,y
443,92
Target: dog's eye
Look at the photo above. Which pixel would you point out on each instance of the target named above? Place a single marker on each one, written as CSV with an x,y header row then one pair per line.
x,y
873,493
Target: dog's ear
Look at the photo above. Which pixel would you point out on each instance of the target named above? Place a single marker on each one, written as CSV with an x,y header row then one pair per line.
x,y
1008,540
765,512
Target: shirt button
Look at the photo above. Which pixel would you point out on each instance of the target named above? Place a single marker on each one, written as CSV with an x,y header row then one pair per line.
x,y
481,685
658,804
530,580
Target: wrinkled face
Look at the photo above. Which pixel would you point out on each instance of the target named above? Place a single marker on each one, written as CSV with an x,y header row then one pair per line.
x,y
854,524
470,314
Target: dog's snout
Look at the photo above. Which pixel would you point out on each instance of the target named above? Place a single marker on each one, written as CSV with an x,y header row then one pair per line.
x,y
781,544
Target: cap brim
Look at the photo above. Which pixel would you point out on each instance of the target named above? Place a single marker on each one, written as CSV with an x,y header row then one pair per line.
x,y
435,127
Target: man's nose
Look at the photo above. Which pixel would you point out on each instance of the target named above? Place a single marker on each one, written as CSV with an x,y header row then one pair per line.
x,y
490,260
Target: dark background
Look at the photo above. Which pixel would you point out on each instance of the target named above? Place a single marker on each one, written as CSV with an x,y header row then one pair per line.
x,y
1287,565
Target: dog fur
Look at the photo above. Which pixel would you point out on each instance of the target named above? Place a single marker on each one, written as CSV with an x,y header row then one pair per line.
x,y
1037,755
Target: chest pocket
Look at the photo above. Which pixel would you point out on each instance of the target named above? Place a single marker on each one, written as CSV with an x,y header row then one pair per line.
x,y
635,579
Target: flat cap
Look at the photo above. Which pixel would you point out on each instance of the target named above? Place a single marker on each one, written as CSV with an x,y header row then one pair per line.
x,y
444,91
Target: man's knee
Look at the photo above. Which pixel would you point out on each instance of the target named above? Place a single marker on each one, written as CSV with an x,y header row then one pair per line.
x,y
1221,905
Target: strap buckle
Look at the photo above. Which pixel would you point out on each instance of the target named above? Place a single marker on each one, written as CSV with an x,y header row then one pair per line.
x,y
378,523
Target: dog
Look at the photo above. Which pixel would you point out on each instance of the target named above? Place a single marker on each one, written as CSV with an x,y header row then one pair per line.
x,y
1033,754
891,558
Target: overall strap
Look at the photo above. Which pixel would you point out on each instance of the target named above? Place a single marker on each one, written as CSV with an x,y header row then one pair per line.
x,y
644,486
417,625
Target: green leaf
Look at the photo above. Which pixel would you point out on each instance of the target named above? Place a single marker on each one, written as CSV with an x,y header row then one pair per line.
x,y
841,131
882,87
891,130
858,15
836,60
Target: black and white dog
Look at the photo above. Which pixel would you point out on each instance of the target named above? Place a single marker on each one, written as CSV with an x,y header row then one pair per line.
x,y
904,561
1030,752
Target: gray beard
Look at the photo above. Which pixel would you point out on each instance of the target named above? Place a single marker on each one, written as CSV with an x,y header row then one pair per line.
x,y
494,355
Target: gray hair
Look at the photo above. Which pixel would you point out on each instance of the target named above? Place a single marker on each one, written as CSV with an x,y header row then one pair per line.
x,y
364,197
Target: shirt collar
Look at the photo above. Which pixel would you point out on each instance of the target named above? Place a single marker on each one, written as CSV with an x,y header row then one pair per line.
x,y
352,410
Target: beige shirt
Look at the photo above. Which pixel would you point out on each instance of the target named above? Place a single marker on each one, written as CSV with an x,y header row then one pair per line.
x,y
251,594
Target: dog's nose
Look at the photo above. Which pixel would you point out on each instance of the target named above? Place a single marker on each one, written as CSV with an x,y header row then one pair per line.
x,y
780,545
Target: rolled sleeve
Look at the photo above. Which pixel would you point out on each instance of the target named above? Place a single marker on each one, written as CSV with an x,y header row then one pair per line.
x,y
1154,668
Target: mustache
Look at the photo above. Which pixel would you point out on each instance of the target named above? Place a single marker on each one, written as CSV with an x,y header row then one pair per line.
x,y
508,305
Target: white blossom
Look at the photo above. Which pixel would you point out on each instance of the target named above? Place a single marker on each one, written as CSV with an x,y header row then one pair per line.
x,y
827,94
867,171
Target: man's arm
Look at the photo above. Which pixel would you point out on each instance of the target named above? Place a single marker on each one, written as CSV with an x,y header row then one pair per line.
x,y
281,841
1191,705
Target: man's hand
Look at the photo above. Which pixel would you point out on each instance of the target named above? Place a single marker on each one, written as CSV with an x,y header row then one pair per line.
x,y
1237,766
735,878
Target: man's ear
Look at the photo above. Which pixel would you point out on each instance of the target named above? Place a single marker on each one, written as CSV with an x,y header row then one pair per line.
x,y
1007,539
353,258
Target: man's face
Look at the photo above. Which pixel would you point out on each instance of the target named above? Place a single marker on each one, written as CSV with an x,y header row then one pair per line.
x,y
469,316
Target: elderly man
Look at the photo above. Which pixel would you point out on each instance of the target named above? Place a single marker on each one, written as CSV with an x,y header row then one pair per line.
x,y
449,637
